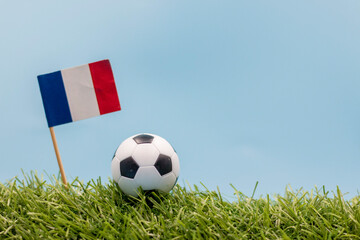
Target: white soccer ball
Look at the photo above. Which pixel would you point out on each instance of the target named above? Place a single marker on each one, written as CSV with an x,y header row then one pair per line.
x,y
147,161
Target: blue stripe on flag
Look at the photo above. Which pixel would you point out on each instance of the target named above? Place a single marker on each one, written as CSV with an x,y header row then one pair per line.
x,y
54,99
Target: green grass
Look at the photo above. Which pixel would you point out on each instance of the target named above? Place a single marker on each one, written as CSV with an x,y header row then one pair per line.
x,y
35,209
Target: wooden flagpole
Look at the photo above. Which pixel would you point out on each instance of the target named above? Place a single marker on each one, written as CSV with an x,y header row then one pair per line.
x,y
62,172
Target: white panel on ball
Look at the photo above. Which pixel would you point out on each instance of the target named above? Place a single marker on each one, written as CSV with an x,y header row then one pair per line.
x,y
175,164
145,154
128,186
125,149
163,146
115,169
148,178
167,182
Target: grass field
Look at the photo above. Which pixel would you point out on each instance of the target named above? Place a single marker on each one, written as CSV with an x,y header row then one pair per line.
x,y
35,209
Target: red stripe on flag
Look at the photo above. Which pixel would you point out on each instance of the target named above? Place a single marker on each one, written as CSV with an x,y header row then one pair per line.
x,y
105,88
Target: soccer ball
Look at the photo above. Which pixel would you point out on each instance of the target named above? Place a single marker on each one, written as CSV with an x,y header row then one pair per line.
x,y
147,161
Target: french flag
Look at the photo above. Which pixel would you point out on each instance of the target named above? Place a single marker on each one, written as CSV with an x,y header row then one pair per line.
x,y
78,93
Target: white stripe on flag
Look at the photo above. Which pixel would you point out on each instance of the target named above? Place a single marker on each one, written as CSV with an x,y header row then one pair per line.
x,y
80,92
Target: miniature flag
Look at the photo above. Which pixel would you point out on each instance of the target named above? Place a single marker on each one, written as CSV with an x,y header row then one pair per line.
x,y
78,93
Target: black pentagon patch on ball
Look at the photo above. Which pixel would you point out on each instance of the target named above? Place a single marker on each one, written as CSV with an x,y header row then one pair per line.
x,y
128,167
163,164
143,138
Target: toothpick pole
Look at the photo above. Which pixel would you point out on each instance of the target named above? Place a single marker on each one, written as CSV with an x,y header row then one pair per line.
x,y
62,172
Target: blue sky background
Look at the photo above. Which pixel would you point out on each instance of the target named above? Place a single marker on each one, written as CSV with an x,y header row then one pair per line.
x,y
245,91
